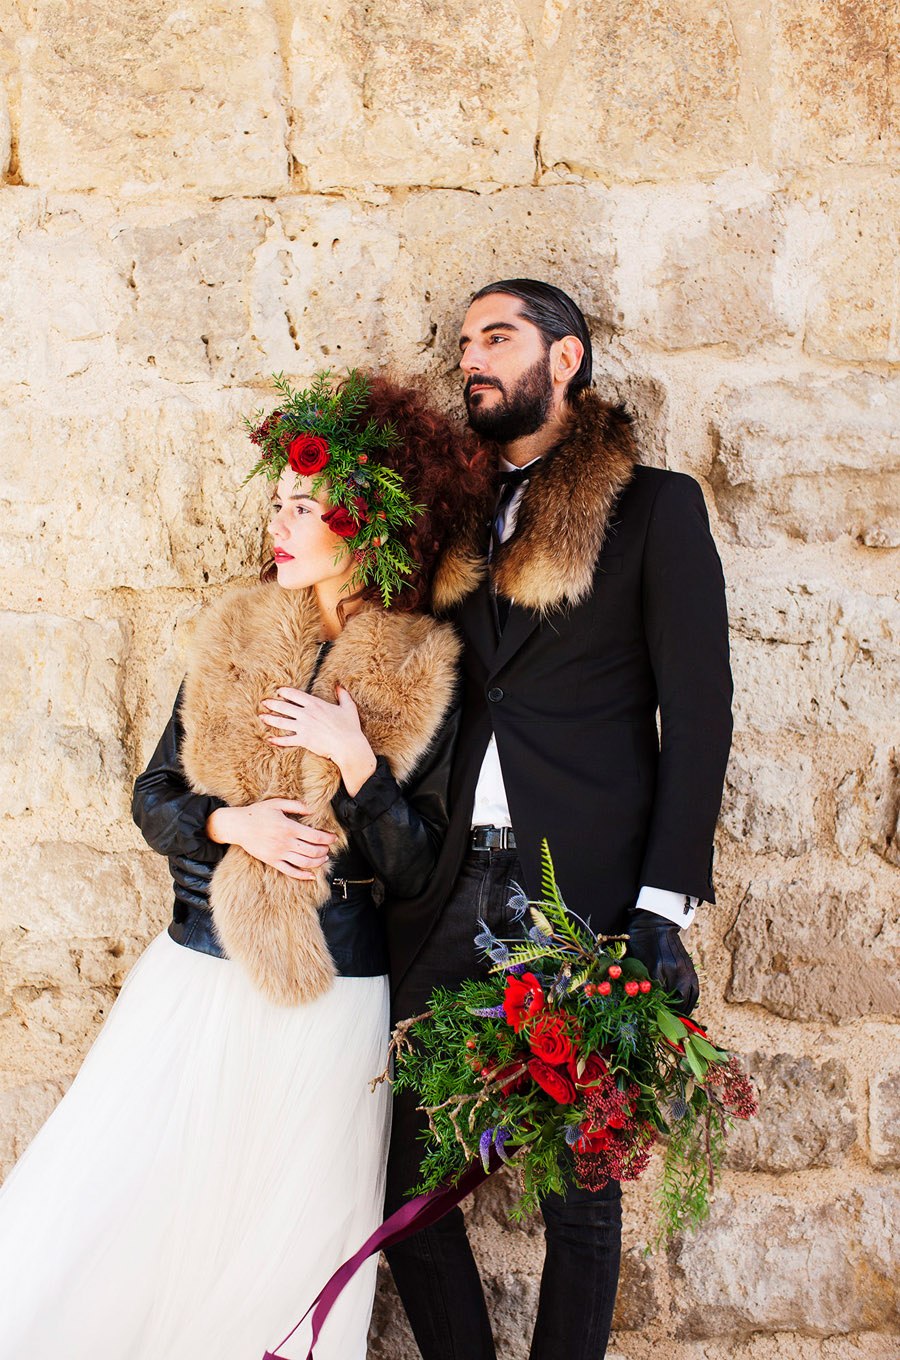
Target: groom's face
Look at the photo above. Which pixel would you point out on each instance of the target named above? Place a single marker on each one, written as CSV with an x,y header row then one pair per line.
x,y
508,389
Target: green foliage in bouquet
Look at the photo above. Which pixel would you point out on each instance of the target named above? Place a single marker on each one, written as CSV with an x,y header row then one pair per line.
x,y
569,1062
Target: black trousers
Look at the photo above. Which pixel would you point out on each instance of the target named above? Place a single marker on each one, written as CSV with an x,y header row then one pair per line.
x,y
435,1271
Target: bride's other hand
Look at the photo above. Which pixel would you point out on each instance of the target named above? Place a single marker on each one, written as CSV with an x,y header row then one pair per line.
x,y
268,831
329,730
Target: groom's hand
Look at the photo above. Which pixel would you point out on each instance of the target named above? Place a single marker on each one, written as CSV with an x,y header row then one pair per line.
x,y
656,941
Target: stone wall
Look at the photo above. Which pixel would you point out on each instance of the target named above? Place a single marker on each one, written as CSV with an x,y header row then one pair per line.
x,y
197,195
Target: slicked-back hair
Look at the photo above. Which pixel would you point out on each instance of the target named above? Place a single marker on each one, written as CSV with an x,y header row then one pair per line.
x,y
555,315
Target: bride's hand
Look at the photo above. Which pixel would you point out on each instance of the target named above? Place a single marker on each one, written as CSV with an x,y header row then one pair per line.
x,y
268,831
329,730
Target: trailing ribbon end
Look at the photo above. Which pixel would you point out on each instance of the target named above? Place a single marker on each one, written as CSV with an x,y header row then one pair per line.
x,y
417,1213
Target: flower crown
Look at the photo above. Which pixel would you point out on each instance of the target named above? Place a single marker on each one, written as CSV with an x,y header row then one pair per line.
x,y
319,433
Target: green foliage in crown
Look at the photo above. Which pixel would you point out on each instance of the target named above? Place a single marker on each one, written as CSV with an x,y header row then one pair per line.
x,y
320,432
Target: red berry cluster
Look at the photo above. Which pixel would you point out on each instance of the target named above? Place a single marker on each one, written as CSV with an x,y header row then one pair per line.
x,y
615,972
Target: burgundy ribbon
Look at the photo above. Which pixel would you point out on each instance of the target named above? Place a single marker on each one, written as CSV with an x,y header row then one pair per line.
x,y
418,1213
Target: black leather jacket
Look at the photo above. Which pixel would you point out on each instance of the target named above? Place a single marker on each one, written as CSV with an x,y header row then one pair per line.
x,y
395,834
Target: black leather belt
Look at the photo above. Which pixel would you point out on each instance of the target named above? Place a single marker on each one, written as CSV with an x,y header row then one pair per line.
x,y
493,838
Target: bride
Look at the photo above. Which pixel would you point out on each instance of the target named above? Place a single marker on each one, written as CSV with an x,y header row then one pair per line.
x,y
220,1152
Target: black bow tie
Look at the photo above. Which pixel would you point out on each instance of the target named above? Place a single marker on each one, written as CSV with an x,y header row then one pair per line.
x,y
517,476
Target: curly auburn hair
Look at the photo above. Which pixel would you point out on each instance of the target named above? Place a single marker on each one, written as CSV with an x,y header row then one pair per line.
x,y
442,467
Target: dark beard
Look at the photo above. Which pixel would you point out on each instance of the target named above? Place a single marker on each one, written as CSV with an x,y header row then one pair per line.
x,y
522,411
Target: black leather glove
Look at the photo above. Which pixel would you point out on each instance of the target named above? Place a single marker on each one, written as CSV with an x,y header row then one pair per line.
x,y
656,941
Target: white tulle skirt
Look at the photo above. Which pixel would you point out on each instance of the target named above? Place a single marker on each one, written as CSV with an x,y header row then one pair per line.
x,y
214,1161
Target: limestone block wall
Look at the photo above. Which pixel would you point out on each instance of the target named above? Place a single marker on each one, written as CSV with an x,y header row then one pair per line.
x,y
197,195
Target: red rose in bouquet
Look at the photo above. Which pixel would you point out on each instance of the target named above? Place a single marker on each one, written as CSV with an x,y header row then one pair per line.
x,y
512,1076
551,1038
555,1083
341,522
523,999
593,1140
593,1070
308,454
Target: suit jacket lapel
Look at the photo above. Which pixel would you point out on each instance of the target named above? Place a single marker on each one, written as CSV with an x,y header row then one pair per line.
x,y
519,627
478,624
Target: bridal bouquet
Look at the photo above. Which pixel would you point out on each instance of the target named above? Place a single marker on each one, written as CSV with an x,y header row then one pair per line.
x,y
569,1062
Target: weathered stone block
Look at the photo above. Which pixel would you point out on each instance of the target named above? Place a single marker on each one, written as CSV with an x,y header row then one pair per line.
x,y
128,98
74,922
23,1110
833,96
62,717
5,132
61,297
407,94
813,951
165,508
188,316
65,896
867,809
767,1263
715,283
319,287
853,309
649,90
769,801
809,460
806,1115
884,1115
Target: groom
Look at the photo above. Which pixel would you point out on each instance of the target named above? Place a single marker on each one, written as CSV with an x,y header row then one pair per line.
x,y
590,598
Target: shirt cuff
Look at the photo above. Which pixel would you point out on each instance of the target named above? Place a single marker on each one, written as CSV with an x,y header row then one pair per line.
x,y
677,907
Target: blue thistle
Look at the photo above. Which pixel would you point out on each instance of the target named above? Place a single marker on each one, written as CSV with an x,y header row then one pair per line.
x,y
518,903
488,943
628,1033
573,1133
678,1108
562,984
536,934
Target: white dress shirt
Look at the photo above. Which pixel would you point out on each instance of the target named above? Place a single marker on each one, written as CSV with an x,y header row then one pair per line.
x,y
492,805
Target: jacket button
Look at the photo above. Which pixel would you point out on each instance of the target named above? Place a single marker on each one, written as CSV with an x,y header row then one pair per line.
x,y
495,695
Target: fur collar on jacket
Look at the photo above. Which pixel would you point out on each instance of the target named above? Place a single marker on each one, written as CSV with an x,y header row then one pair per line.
x,y
399,668
549,561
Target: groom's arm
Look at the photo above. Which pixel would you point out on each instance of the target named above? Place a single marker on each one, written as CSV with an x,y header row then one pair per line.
x,y
686,627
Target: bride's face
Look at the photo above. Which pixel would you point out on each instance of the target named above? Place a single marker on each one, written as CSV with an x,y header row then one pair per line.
x,y
306,552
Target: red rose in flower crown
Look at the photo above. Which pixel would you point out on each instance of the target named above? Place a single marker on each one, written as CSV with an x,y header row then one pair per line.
x,y
551,1080
523,998
341,522
308,454
550,1038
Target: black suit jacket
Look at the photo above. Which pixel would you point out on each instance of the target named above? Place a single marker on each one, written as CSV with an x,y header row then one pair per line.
x,y
573,694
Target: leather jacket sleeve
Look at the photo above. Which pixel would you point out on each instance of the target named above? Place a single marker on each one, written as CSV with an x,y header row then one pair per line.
x,y
171,817
400,828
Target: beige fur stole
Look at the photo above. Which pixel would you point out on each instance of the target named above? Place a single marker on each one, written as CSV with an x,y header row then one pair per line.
x,y
400,670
